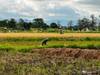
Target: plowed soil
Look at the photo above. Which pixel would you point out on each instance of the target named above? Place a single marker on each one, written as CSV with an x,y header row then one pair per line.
x,y
51,61
69,52
51,53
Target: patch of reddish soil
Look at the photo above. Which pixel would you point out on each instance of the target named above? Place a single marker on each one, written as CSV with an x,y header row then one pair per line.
x,y
69,52
42,55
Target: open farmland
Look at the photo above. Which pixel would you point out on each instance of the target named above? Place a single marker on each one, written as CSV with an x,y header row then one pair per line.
x,y
45,35
49,37
28,41
64,54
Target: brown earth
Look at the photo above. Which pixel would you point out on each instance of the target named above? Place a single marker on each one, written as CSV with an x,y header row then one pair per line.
x,y
42,55
52,61
69,52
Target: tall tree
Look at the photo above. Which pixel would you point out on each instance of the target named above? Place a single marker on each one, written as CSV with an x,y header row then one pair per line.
x,y
12,23
83,23
27,25
3,23
39,23
93,22
54,25
20,24
70,25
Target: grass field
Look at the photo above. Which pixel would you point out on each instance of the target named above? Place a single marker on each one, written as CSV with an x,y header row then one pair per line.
x,y
28,41
64,54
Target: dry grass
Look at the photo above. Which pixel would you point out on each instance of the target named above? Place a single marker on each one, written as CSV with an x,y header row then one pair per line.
x,y
43,35
51,61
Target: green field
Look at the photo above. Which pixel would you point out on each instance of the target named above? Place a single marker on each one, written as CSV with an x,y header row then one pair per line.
x,y
24,54
27,44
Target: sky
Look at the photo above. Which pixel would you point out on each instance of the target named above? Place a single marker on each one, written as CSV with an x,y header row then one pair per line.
x,y
50,10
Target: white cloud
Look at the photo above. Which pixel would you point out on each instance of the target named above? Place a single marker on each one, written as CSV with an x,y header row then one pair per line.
x,y
87,7
49,9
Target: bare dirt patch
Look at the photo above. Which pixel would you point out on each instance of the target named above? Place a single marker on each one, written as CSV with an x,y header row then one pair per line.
x,y
47,54
50,61
69,52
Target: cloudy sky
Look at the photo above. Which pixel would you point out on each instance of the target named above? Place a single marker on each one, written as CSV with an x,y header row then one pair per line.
x,y
50,10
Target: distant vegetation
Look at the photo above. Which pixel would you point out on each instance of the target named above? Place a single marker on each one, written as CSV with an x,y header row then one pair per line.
x,y
39,25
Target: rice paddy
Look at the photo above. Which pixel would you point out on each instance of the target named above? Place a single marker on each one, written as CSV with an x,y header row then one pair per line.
x,y
64,54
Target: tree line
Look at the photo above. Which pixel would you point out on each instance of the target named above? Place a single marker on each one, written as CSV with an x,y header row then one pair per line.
x,y
23,25
82,24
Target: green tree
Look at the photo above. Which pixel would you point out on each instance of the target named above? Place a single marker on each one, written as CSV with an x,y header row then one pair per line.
x,y
39,23
70,25
54,25
27,26
93,22
83,23
3,23
20,24
12,23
